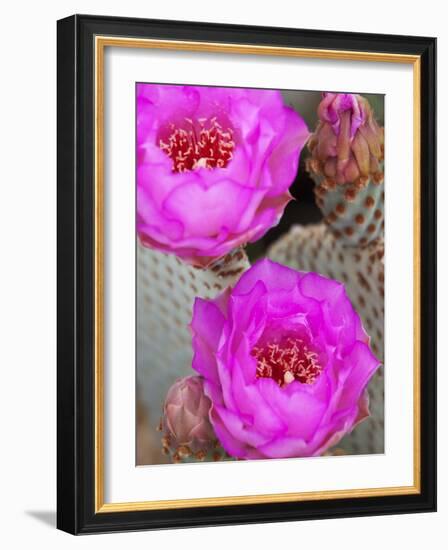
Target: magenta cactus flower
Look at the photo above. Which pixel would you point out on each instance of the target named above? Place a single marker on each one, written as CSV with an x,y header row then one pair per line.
x,y
348,144
285,361
213,167
186,417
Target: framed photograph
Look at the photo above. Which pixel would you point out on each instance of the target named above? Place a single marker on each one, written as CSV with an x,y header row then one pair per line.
x,y
246,274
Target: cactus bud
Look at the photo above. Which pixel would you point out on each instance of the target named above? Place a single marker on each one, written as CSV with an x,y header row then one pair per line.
x,y
186,422
346,162
348,143
188,435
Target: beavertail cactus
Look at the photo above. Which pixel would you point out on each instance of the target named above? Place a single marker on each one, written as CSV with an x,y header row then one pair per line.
x,y
346,162
187,432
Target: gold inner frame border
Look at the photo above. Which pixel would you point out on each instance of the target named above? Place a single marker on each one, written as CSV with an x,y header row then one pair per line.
x,y
100,43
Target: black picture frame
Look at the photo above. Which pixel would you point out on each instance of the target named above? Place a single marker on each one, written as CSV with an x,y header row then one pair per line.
x,y
76,254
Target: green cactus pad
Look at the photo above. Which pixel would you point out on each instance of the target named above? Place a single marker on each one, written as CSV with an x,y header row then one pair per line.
x,y
353,211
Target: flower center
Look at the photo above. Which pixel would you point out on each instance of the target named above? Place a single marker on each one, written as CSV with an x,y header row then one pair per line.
x,y
198,144
286,361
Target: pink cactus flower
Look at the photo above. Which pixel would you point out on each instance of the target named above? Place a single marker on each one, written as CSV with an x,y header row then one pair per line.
x,y
285,361
213,167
